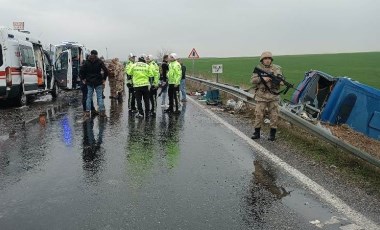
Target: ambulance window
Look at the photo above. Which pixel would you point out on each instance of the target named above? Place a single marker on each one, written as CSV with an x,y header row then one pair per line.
x,y
1,55
74,52
62,62
27,56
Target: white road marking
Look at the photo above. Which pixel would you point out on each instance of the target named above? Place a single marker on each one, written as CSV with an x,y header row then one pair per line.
x,y
333,220
333,200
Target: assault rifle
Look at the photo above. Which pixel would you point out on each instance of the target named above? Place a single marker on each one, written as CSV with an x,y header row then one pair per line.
x,y
276,80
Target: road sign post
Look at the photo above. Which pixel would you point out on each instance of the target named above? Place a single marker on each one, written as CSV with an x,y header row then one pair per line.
x,y
217,69
193,55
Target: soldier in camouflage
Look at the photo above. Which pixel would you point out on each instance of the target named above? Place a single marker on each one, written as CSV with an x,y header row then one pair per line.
x,y
116,78
266,96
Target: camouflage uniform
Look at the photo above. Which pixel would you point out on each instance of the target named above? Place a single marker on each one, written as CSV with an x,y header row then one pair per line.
x,y
266,98
116,77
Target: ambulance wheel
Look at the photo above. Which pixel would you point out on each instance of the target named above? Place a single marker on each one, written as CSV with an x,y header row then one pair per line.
x,y
55,91
21,99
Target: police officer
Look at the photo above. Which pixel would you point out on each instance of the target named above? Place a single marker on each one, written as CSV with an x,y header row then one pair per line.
x,y
131,91
267,95
140,77
174,80
154,80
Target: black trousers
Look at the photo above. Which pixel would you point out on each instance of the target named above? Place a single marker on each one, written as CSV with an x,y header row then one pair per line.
x,y
83,88
173,97
153,99
131,98
142,93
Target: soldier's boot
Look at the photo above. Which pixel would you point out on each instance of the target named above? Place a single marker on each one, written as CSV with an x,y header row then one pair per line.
x,y
272,135
256,134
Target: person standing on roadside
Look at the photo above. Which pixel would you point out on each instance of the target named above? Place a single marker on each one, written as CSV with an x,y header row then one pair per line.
x,y
140,77
267,94
131,91
154,80
164,79
83,88
182,87
91,73
115,78
174,80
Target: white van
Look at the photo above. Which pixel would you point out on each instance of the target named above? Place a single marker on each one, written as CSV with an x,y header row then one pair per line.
x,y
69,56
25,67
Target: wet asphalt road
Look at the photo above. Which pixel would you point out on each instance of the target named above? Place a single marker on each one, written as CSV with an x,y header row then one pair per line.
x,y
171,172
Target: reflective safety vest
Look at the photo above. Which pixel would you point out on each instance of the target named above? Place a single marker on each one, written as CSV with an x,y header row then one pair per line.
x,y
175,73
127,71
154,73
140,74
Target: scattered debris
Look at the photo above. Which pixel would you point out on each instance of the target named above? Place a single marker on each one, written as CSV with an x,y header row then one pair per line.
x,y
239,106
231,103
236,106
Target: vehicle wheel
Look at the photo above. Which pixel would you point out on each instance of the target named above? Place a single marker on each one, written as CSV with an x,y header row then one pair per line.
x,y
21,99
55,90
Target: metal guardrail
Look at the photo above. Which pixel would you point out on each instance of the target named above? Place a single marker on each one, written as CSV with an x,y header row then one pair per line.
x,y
294,119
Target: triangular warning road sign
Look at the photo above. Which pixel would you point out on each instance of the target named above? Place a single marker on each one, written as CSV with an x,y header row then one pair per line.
x,y
193,54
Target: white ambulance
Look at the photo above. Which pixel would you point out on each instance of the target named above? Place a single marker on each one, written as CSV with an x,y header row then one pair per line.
x,y
69,56
25,67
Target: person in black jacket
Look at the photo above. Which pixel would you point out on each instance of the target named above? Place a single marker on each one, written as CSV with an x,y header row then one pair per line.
x,y
182,86
91,74
83,88
164,78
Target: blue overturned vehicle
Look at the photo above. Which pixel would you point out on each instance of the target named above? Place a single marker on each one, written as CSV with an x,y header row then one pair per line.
x,y
337,101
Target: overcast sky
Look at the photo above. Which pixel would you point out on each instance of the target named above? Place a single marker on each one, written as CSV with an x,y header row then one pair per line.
x,y
216,28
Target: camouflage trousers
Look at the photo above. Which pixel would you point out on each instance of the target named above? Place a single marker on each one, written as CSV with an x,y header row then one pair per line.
x,y
260,113
116,85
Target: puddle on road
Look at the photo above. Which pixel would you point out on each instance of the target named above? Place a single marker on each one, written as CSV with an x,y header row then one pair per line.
x,y
265,191
41,119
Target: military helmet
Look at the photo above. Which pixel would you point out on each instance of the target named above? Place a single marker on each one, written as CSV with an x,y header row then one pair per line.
x,y
266,54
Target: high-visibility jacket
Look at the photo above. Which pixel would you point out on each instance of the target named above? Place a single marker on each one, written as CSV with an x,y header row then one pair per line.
x,y
154,73
127,71
175,73
140,74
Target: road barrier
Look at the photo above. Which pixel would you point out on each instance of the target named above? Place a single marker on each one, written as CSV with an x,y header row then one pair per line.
x,y
293,119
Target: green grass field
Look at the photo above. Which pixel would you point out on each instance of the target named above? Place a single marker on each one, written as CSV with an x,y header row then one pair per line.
x,y
362,67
